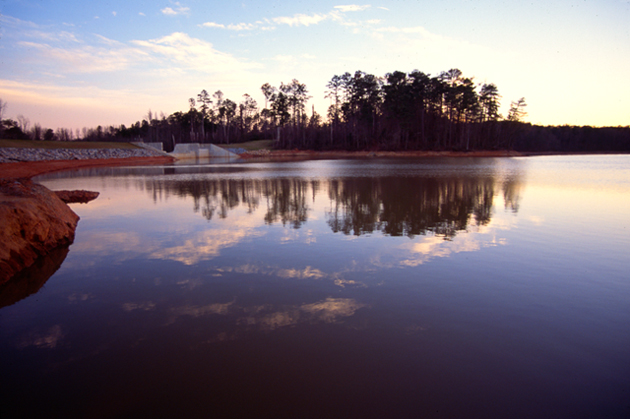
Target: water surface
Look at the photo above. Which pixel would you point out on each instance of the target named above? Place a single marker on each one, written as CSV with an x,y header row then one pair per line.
x,y
333,288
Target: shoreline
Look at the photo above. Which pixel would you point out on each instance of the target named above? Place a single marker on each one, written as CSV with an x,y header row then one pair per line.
x,y
312,154
29,169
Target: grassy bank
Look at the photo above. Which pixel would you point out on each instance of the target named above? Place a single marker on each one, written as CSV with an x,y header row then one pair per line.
x,y
250,145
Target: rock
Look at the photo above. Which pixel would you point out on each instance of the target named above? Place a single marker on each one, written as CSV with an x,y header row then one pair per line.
x,y
79,196
33,221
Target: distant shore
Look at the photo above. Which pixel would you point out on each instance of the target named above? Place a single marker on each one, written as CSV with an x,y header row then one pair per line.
x,y
28,169
311,154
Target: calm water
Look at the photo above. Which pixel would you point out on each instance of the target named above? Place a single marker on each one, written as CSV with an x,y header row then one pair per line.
x,y
349,288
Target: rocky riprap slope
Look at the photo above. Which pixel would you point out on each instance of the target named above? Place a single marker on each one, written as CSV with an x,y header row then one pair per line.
x,y
10,154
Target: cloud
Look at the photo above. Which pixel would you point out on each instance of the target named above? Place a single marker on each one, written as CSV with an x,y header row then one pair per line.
x,y
191,53
84,59
68,71
284,58
178,10
296,20
242,27
232,27
395,29
300,19
352,8
213,25
15,22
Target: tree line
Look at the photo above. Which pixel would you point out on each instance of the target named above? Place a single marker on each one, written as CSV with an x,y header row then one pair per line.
x,y
400,111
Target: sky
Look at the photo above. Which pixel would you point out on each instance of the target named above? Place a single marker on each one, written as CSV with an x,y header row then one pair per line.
x,y
75,64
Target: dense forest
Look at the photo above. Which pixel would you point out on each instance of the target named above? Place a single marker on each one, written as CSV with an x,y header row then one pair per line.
x,y
399,111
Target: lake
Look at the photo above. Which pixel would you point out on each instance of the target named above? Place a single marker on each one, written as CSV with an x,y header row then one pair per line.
x,y
371,288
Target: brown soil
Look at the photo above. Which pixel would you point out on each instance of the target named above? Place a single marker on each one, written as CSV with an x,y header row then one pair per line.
x,y
33,221
30,169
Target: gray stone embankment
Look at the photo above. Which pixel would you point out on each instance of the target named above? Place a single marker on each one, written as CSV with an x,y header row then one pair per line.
x,y
9,155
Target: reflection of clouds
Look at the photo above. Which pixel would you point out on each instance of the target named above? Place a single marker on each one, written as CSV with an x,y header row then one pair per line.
x,y
188,243
267,318
432,247
104,242
190,284
330,310
48,340
274,321
199,311
206,245
79,296
147,306
294,273
306,273
307,236
343,282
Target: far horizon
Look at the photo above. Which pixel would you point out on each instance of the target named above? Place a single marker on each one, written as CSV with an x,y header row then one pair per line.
x,y
71,65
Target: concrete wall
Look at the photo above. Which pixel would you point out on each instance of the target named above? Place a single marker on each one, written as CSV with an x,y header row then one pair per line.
x,y
194,151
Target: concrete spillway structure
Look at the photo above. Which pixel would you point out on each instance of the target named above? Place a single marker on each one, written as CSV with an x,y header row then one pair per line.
x,y
196,151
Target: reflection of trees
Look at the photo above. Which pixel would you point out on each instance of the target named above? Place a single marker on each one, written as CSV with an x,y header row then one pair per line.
x,y
400,206
396,206
285,198
512,194
286,201
211,197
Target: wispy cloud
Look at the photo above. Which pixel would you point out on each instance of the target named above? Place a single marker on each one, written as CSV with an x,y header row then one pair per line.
x,y
177,10
213,25
300,19
352,8
192,53
85,58
242,27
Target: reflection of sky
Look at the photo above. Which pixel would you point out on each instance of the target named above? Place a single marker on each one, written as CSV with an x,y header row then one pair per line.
x,y
546,273
127,225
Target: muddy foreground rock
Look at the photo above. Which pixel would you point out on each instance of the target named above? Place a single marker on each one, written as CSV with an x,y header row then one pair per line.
x,y
33,221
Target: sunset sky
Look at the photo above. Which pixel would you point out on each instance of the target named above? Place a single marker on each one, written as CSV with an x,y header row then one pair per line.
x,y
72,64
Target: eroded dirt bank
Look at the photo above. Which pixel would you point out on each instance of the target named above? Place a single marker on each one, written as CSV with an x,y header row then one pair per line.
x,y
33,221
